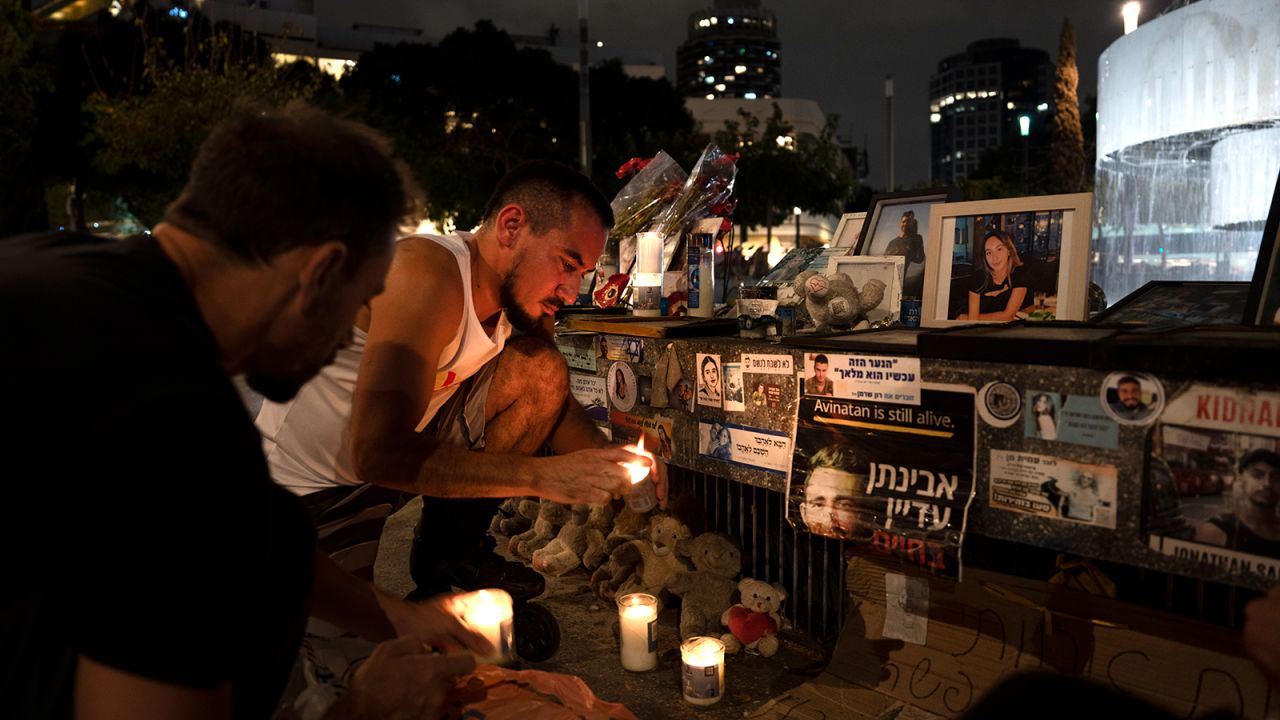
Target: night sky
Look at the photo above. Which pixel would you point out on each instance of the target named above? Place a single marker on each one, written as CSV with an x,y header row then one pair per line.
x,y
836,53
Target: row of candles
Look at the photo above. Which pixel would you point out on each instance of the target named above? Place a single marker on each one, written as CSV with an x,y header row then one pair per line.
x,y
489,613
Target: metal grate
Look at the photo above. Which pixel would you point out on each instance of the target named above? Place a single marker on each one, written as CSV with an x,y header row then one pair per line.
x,y
809,567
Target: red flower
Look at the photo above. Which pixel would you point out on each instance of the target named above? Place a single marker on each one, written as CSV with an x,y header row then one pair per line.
x,y
632,166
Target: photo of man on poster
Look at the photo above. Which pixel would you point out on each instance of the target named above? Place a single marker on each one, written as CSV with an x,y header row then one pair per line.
x,y
1250,523
830,505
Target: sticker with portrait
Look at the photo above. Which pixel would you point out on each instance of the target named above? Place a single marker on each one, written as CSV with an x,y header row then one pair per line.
x,y
765,394
1131,398
709,384
999,404
877,378
1213,481
628,428
734,394
898,478
683,396
1076,419
623,389
1053,487
746,446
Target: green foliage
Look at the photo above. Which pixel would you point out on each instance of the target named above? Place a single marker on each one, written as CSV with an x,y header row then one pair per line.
x,y
804,171
1066,151
22,83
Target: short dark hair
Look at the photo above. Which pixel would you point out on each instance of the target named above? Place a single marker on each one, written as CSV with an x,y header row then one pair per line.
x,y
1128,380
838,457
264,183
1262,455
547,191
820,358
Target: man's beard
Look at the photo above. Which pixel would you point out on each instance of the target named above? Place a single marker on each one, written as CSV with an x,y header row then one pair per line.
x,y
519,318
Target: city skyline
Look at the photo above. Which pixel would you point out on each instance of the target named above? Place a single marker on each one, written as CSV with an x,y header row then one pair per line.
x,y
840,59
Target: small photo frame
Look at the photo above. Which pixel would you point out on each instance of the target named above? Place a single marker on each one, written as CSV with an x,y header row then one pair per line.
x,y
898,224
887,269
848,230
1040,250
1176,303
1263,304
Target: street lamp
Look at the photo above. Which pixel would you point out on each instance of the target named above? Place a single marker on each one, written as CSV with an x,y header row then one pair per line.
x,y
1024,129
1130,13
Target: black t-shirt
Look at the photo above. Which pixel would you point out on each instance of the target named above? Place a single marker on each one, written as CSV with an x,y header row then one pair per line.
x,y
141,525
995,298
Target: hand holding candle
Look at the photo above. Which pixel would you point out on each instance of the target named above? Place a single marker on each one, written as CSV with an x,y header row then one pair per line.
x,y
488,613
643,496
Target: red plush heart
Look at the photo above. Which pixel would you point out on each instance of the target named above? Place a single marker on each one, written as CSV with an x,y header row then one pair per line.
x,y
749,626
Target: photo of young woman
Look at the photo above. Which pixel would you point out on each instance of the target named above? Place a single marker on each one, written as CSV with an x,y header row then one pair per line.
x,y
1000,290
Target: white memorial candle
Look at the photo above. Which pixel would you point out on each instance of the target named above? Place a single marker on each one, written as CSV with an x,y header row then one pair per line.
x,y
638,616
488,612
702,670
643,495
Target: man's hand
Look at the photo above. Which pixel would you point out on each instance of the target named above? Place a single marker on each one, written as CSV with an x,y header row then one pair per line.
x,y
1262,633
401,680
432,623
590,477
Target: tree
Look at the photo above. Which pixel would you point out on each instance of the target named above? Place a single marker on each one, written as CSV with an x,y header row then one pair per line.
x,y
22,84
779,170
1066,149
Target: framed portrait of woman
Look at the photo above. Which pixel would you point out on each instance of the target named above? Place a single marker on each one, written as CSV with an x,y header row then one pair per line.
x,y
898,224
1009,259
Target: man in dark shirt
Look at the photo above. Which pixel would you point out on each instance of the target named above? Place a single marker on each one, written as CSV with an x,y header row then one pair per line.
x,y
159,570
1250,525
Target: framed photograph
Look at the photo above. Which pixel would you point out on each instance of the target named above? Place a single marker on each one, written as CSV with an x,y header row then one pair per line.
x,y
1009,259
1263,305
898,224
887,269
1174,303
848,230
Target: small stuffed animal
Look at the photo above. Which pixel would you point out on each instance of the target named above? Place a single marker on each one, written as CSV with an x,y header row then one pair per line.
x,y
564,553
832,300
706,592
643,565
628,525
599,524
753,623
551,515
515,515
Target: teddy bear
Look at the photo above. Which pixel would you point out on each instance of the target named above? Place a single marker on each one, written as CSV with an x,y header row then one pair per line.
x,y
599,525
706,592
551,515
833,301
565,551
753,623
643,565
628,525
514,516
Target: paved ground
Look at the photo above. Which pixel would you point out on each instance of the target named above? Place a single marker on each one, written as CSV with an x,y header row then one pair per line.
x,y
589,648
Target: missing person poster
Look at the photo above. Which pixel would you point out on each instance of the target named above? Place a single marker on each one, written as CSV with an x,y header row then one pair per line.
x,y
863,377
1053,487
747,446
1213,481
896,477
628,427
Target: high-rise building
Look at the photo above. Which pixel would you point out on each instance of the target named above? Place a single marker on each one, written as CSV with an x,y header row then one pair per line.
x,y
732,52
994,90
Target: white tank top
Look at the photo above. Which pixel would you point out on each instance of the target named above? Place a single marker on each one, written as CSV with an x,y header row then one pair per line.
x,y
306,441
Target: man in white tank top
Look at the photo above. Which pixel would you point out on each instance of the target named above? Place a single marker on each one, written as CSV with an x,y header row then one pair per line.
x,y
431,398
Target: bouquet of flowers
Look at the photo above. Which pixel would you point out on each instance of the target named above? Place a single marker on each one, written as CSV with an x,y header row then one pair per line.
x,y
709,185
656,183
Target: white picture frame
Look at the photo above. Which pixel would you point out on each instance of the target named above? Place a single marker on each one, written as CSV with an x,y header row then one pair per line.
x,y
848,230
888,269
1051,231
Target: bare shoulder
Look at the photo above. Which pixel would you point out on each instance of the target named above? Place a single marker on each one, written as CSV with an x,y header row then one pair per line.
x,y
422,259
423,291
1208,532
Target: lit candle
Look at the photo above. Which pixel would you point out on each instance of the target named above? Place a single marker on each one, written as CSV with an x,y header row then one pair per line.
x,y
488,612
638,615
648,280
643,495
702,670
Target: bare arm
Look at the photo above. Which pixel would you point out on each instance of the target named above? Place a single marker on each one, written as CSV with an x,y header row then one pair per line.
x,y
103,692
411,324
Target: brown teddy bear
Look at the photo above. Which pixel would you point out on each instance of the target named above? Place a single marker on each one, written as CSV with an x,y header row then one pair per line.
x,y
515,515
643,565
551,515
564,553
599,525
706,592
754,622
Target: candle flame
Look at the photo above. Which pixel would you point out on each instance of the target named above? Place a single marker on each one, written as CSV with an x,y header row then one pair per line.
x,y
638,471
